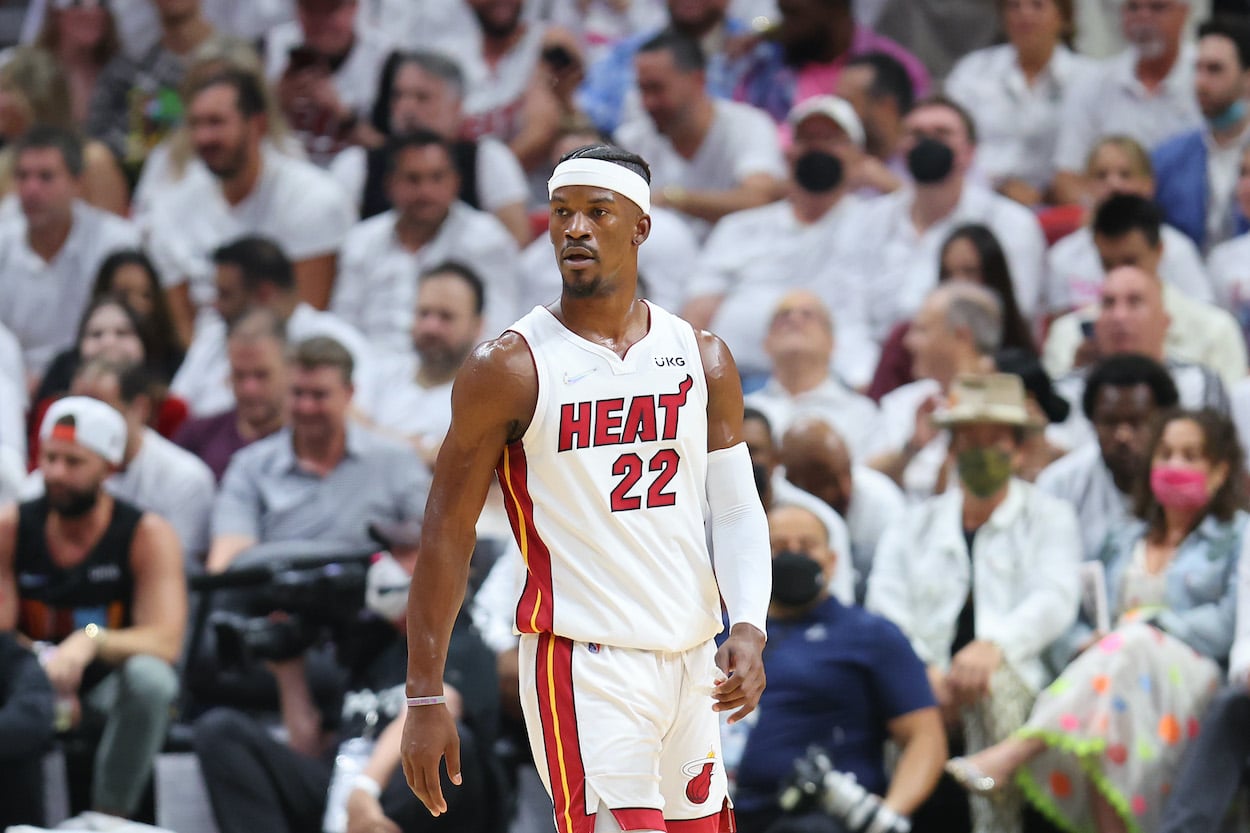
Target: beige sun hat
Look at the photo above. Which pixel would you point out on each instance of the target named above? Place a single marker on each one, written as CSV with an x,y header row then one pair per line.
x,y
996,398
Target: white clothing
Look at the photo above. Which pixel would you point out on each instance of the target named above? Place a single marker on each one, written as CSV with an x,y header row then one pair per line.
x,y
898,423
785,493
493,604
741,142
165,480
495,95
41,301
754,257
1110,100
445,26
1229,264
398,404
13,403
601,24
1239,657
853,415
1199,333
1022,573
899,267
1017,124
665,264
294,203
1082,479
376,289
203,378
355,80
1223,170
606,490
1074,273
501,180
1239,408
876,504
1100,32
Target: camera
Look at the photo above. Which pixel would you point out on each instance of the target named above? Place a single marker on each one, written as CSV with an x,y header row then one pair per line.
x,y
815,786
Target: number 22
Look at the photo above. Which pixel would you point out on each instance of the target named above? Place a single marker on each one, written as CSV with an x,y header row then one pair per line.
x,y
629,468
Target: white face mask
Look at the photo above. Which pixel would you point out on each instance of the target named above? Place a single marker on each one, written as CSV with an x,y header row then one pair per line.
x,y
386,588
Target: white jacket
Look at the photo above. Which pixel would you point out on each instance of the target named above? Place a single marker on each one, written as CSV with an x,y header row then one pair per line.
x,y
1026,592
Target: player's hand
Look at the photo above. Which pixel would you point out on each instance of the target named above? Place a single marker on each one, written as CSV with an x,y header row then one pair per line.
x,y
429,737
741,658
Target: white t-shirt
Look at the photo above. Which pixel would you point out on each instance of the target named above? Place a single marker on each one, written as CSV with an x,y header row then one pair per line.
x,y
446,26
376,289
741,142
854,416
41,302
494,95
397,403
754,257
665,263
356,79
294,203
1223,169
13,399
898,423
501,180
899,266
1017,124
1083,479
1229,264
876,503
1074,273
203,378
1111,100
1239,405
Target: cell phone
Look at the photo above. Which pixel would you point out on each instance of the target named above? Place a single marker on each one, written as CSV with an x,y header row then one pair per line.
x,y
1087,329
558,58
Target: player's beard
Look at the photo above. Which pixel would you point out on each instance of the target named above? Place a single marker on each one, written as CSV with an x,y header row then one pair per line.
x,y
589,289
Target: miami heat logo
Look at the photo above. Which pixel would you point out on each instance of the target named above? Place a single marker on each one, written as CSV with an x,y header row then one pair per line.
x,y
699,787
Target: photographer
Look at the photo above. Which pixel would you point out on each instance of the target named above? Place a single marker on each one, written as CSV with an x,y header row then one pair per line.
x,y
256,783
845,681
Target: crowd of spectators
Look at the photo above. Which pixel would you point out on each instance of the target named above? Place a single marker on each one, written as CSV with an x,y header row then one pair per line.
x,y
984,266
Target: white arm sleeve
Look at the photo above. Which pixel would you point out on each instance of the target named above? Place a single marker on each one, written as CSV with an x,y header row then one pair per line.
x,y
741,556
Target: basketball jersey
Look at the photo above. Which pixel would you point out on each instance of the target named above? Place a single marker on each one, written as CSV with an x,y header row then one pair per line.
x,y
606,489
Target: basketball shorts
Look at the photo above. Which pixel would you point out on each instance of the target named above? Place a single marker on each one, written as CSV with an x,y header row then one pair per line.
x,y
625,731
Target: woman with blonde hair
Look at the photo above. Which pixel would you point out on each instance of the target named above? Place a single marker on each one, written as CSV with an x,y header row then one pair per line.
x,y
34,90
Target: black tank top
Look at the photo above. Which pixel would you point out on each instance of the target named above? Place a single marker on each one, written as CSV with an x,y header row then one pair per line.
x,y
53,601
374,201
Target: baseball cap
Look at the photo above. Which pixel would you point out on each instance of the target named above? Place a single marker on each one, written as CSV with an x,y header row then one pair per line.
x,y
96,426
831,107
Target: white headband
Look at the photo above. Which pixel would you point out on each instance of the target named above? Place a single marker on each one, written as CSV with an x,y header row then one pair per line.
x,y
600,174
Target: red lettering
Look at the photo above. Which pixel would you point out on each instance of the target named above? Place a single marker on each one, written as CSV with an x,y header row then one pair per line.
x,y
640,421
608,421
575,425
671,403
628,467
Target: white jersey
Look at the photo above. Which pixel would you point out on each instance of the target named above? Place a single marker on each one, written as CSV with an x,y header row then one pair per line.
x,y
606,490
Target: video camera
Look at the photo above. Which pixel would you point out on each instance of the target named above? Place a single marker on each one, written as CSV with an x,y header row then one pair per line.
x,y
815,786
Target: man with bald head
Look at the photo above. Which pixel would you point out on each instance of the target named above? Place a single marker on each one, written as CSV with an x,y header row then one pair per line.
x,y
817,460
800,343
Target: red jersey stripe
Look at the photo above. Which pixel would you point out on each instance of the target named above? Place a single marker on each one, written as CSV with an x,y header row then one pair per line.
x,y
534,613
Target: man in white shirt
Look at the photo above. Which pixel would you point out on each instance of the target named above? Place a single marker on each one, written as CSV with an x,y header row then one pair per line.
x,y
1122,397
754,257
251,272
1200,333
898,237
411,396
800,343
1145,92
708,157
51,251
817,460
253,190
382,256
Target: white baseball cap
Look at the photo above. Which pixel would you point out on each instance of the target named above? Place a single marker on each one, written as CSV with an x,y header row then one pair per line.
x,y
839,110
95,426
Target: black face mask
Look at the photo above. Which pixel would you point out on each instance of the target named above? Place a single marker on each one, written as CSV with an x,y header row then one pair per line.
x,y
797,579
930,161
817,172
761,479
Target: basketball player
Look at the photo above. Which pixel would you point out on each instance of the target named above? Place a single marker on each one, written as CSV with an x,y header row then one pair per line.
x,y
613,427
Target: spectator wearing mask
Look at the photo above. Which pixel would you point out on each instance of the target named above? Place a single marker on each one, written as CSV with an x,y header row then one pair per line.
x,y
840,679
250,179
428,225
983,578
26,731
878,87
1123,395
800,343
1146,92
708,157
1198,171
425,91
1127,232
816,459
1135,694
808,49
1119,170
256,347
898,236
51,251
1013,93
755,257
102,582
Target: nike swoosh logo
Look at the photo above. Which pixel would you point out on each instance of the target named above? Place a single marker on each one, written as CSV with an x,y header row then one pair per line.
x,y
573,380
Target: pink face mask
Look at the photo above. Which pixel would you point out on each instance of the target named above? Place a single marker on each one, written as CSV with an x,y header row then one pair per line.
x,y
1179,488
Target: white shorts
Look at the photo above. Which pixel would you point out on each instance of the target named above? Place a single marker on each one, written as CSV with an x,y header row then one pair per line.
x,y
631,731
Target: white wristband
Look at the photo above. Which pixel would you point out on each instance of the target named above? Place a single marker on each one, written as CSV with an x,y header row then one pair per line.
x,y
366,784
